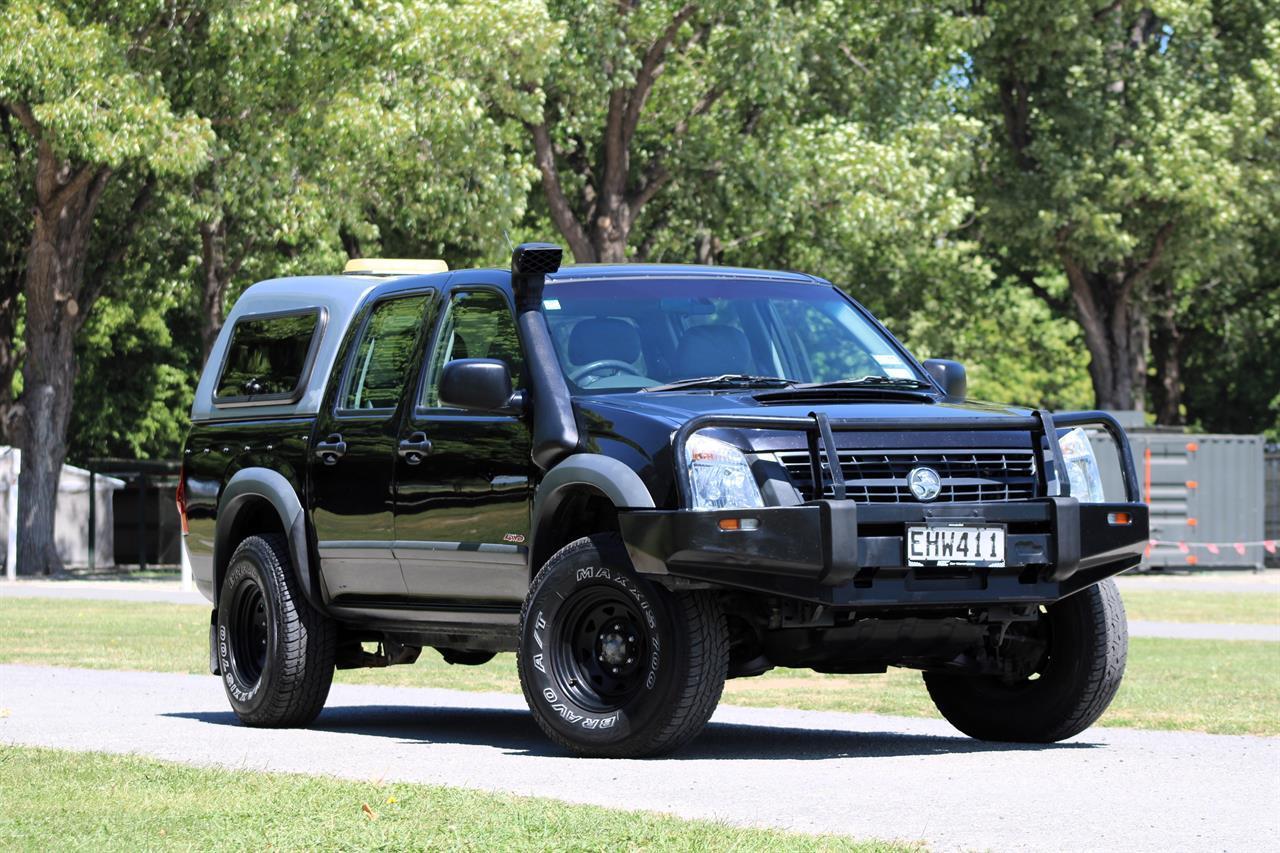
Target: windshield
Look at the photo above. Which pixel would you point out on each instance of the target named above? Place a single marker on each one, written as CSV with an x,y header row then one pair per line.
x,y
629,334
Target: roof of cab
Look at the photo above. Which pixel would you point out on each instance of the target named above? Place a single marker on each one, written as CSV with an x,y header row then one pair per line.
x,y
586,272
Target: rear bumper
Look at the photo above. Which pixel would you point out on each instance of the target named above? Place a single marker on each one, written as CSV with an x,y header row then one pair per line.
x,y
852,555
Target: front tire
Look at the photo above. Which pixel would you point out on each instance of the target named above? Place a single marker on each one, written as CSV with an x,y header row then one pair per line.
x,y
1078,676
613,665
275,651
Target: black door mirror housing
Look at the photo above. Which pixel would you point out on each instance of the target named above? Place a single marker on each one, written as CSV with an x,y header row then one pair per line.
x,y
951,376
478,384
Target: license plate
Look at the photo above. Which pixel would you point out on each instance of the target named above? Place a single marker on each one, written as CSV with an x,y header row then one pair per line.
x,y
955,545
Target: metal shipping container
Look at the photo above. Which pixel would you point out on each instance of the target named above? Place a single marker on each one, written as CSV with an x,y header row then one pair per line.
x,y
1205,492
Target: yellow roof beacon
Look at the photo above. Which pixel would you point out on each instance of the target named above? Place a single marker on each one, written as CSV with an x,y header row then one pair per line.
x,y
388,267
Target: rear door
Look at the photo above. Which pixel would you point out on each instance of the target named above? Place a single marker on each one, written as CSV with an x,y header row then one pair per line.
x,y
354,449
463,501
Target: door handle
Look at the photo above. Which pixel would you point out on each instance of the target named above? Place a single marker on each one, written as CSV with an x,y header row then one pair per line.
x,y
331,449
415,447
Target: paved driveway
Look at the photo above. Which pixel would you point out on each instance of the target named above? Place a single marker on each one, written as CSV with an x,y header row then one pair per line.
x,y
862,775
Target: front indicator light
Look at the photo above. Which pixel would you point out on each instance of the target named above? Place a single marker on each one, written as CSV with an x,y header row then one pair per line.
x,y
1120,519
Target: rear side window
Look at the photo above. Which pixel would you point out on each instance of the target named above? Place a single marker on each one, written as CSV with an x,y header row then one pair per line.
x,y
381,361
268,357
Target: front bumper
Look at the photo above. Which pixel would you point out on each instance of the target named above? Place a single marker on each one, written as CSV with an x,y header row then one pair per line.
x,y
843,554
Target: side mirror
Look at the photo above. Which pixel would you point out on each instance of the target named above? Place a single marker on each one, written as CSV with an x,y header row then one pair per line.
x,y
479,384
950,375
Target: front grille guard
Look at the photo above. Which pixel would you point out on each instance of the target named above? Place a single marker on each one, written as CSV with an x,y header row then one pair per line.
x,y
872,475
820,432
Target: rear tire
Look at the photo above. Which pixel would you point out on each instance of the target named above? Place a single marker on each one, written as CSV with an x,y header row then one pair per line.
x,y
275,651
1076,681
613,665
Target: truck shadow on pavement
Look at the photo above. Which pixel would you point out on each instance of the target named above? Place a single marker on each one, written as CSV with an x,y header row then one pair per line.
x,y
515,732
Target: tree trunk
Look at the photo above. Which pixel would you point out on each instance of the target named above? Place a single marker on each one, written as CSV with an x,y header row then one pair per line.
x,y
10,355
66,200
1115,333
1166,351
215,281
599,229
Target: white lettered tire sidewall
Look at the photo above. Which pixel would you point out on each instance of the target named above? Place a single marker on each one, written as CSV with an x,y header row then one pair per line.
x,y
300,642
248,700
551,704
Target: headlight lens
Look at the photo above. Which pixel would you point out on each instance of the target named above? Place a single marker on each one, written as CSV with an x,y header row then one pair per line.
x,y
1082,466
719,475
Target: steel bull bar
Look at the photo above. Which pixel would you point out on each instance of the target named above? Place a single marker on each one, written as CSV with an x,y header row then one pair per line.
x,y
838,552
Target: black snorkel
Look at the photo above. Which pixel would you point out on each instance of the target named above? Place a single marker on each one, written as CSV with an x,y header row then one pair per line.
x,y
555,429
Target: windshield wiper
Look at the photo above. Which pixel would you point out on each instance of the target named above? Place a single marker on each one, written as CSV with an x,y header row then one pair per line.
x,y
724,380
905,383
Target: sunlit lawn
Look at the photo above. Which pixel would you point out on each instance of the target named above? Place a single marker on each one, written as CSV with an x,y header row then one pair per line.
x,y
55,800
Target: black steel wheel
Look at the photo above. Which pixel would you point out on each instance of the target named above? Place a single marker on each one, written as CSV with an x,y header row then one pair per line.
x,y
275,651
612,665
249,634
1079,647
600,652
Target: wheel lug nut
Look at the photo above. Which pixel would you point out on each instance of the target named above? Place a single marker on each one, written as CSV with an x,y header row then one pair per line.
x,y
631,660
630,639
615,670
600,657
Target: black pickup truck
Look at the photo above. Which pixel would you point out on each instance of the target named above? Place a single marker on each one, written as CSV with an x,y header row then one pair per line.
x,y
643,480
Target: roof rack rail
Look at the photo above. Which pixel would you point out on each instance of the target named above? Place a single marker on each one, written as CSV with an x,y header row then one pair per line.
x,y
394,266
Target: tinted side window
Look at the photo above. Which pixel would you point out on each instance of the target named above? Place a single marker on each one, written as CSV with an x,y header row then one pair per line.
x,y
267,357
376,374
476,324
813,332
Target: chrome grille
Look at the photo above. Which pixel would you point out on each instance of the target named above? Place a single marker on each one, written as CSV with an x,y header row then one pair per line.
x,y
881,476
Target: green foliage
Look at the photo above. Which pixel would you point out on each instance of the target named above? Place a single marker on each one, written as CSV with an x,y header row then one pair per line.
x,y
1128,146
95,103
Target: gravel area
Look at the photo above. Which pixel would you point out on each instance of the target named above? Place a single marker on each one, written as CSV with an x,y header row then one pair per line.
x,y
862,775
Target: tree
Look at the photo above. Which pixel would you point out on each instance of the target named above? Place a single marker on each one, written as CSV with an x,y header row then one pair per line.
x,y
603,148
91,111
340,126
1108,160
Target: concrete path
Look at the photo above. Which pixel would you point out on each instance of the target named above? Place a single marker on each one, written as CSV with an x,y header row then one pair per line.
x,y
861,775
1204,631
122,590
1267,581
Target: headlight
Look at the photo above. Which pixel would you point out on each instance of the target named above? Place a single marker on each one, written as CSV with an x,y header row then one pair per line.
x,y
1082,466
719,475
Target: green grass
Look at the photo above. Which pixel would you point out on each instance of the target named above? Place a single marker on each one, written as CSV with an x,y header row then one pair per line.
x,y
1196,685
56,800
1242,608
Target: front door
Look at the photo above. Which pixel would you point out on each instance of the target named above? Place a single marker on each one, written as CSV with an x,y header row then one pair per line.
x,y
354,451
462,503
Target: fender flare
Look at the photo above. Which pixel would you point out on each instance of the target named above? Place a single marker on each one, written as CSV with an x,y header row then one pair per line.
x,y
611,478
271,486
